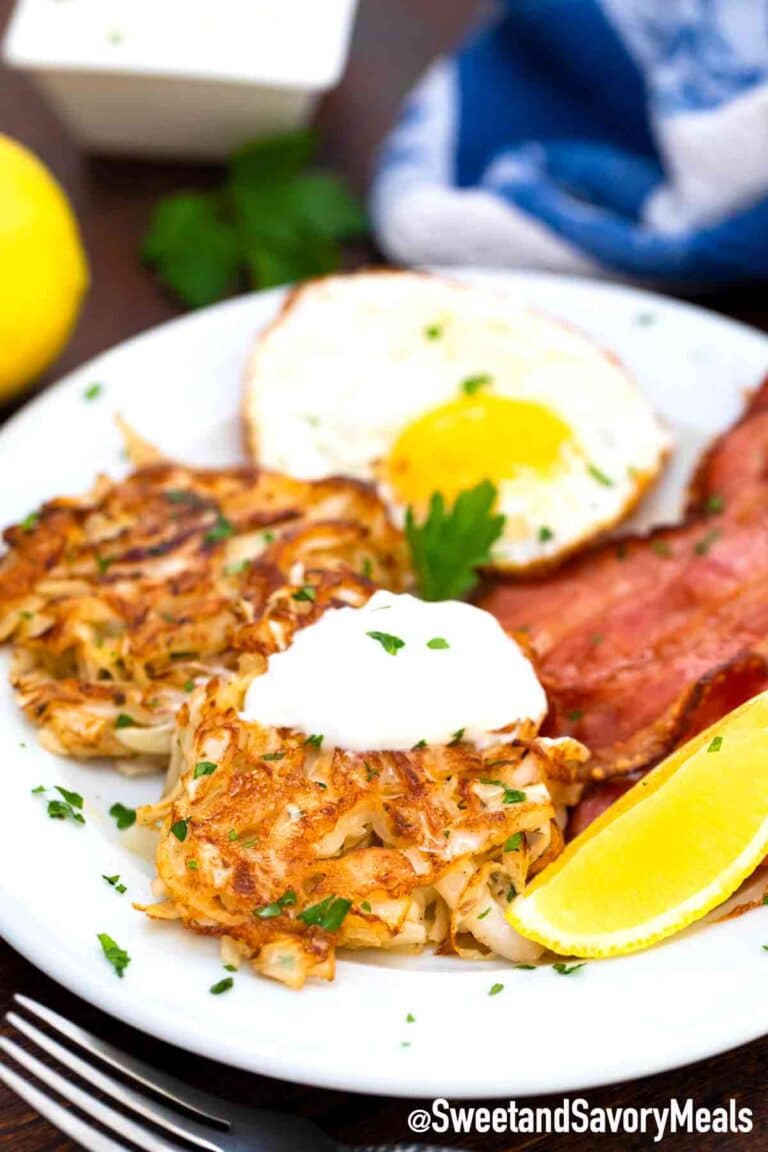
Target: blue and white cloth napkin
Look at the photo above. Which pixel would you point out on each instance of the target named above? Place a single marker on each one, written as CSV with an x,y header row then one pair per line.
x,y
628,136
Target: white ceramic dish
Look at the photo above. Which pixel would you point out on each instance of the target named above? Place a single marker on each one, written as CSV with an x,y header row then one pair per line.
x,y
179,78
689,998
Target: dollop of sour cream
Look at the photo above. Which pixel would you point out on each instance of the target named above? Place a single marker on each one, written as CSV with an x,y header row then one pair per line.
x,y
396,672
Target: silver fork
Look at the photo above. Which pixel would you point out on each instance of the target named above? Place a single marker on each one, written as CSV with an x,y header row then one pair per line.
x,y
192,1119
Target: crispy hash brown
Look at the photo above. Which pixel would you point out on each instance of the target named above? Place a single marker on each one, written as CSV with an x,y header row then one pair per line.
x,y
117,603
287,849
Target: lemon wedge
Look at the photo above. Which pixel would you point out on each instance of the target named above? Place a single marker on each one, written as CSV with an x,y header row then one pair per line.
x,y
672,848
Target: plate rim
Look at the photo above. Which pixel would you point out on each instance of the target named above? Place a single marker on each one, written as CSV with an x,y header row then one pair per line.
x,y
282,1063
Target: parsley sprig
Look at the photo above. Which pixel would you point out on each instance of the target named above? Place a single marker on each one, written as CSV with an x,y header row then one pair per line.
x,y
272,221
450,545
68,808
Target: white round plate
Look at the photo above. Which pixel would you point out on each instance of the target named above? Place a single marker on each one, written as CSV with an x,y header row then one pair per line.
x,y
696,995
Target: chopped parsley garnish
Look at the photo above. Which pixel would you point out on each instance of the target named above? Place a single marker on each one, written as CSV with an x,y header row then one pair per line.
x,y
513,842
232,835
179,830
457,737
366,569
567,969
268,537
222,985
104,563
715,744
236,567
484,913
370,773
418,745
30,522
511,893
511,795
189,686
93,390
600,476
307,592
702,547
123,720
124,817
575,715
473,384
118,958
221,530
192,865
438,642
545,534
229,968
366,906
328,914
410,1018
66,808
525,967
449,546
269,756
204,768
315,741
182,655
495,989
390,644
661,547
714,504
433,331
114,882
268,911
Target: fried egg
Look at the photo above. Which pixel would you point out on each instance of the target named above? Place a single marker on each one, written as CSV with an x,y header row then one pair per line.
x,y
425,385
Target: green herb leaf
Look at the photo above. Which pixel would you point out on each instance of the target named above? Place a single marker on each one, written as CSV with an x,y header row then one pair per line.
x,y
30,522
179,830
305,593
189,686
715,744
268,911
315,741
118,958
366,906
513,842
457,737
495,989
714,504
193,247
390,644
449,546
222,985
123,720
114,882
92,391
221,530
473,384
204,768
437,642
545,534
600,476
124,817
418,745
269,756
328,914
568,969
433,331
482,915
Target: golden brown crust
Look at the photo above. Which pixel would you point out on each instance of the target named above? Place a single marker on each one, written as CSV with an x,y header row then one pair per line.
x,y
422,846
116,603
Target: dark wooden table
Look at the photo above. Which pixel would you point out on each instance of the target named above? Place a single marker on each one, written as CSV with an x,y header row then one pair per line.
x,y
393,41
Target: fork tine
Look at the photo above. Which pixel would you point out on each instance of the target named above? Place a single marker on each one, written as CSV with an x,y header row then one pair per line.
x,y
144,1106
200,1103
102,1113
71,1125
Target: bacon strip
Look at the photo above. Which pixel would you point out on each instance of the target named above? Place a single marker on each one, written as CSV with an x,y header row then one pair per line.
x,y
643,643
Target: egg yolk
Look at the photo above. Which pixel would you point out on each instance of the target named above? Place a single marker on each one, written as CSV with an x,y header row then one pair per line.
x,y
474,438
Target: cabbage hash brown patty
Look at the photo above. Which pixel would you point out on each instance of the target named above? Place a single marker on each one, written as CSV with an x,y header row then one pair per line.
x,y
119,602
287,849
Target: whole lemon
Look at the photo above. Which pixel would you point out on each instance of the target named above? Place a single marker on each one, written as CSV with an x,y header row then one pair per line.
x,y
43,269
